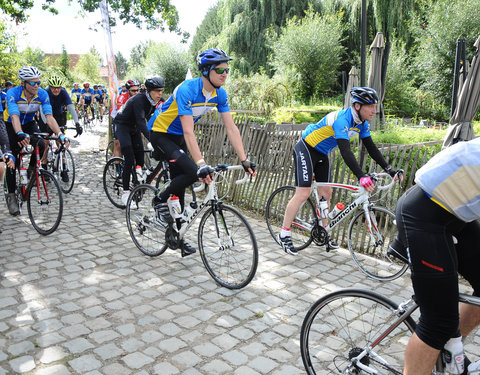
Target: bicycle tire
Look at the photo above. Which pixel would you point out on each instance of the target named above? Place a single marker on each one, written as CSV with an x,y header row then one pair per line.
x,y
372,256
112,181
45,203
341,324
275,212
69,167
232,259
109,150
146,231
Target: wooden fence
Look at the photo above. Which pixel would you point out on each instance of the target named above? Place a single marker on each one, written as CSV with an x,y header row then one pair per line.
x,y
271,146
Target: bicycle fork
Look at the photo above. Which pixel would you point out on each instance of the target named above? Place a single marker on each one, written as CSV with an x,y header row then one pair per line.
x,y
216,209
372,225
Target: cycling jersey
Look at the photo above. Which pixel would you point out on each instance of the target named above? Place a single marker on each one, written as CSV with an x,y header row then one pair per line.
x,y
87,94
17,104
98,94
3,97
452,179
122,99
77,92
58,102
188,98
135,113
336,125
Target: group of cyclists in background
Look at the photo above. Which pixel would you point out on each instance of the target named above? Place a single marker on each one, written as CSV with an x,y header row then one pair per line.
x,y
445,202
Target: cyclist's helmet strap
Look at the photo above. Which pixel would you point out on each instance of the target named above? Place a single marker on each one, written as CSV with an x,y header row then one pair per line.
x,y
209,59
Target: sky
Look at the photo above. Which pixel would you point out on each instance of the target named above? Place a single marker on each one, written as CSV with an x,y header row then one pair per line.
x,y
49,32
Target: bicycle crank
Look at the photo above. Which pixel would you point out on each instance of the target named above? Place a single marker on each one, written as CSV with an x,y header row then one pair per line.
x,y
319,235
171,238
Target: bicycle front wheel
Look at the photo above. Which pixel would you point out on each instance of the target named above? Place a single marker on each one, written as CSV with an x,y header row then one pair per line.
x,y
65,172
45,203
339,326
109,151
302,223
112,181
228,246
369,249
147,232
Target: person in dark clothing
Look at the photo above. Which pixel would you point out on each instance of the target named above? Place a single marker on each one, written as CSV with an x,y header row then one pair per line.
x,y
131,122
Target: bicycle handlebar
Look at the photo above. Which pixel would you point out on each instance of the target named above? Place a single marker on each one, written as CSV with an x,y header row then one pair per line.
x,y
377,176
224,167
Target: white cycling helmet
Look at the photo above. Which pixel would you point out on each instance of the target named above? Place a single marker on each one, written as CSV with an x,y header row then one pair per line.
x,y
27,73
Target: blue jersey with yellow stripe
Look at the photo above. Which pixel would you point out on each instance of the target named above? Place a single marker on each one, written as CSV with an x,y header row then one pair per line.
x,y
336,125
87,94
17,104
188,98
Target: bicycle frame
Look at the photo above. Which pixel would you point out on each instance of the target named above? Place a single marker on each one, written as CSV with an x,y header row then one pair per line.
x,y
32,180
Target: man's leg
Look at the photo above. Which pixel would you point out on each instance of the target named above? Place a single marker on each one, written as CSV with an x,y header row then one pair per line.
x,y
420,358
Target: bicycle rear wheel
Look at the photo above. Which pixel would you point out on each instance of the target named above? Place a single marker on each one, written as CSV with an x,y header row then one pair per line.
x,y
112,181
228,246
301,225
339,326
65,172
147,232
45,203
370,250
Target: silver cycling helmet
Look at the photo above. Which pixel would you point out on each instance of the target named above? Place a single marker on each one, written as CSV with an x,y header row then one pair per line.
x,y
26,73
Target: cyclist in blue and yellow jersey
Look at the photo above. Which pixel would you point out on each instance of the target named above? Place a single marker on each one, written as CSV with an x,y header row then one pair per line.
x,y
3,94
443,204
98,95
76,94
22,103
172,125
86,98
318,140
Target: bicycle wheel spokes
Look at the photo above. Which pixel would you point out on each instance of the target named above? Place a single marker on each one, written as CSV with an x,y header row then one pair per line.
x,y
228,247
66,172
369,246
302,224
45,203
339,326
146,231
112,181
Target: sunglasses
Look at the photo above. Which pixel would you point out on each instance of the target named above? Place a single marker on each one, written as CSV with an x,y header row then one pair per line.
x,y
137,90
33,83
221,70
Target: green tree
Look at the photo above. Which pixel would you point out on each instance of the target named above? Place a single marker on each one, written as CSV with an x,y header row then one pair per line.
x,y
34,57
17,9
139,53
88,66
9,59
309,52
122,65
64,62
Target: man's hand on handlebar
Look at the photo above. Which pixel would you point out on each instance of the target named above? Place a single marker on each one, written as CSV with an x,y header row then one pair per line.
x,y
396,174
205,173
79,130
249,167
63,139
23,139
367,183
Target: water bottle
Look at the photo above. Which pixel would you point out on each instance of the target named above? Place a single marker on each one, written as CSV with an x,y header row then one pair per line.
x,y
323,208
336,210
189,208
453,356
147,173
54,145
23,175
175,207
139,172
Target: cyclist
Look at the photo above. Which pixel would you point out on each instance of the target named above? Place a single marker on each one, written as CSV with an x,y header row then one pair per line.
x,y
318,140
6,156
22,103
445,202
76,93
86,98
3,94
98,95
172,130
131,122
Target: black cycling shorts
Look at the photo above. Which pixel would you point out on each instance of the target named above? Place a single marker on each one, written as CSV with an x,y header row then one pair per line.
x,y
426,229
309,163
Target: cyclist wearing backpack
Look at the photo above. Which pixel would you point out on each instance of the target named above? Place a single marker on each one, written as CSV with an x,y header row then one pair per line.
x,y
318,140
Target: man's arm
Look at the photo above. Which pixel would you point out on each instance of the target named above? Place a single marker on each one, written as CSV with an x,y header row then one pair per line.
x,y
233,135
374,152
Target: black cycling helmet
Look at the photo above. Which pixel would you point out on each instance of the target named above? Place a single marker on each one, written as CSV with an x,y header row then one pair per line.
x,y
153,83
210,58
8,84
363,95
130,83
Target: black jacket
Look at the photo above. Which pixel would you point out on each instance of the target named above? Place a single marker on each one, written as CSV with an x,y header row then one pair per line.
x,y
135,113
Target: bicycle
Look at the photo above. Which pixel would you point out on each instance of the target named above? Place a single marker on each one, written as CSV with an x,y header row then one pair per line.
x,y
226,242
42,192
370,231
60,162
355,331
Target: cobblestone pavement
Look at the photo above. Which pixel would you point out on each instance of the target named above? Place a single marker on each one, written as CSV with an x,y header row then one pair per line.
x,y
84,300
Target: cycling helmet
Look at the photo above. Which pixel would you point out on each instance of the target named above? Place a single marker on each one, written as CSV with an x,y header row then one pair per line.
x,y
210,58
55,81
86,85
363,95
76,84
130,83
27,73
8,84
95,87
153,83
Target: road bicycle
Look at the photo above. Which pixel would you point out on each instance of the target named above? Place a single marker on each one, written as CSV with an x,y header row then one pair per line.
x,y
370,231
41,192
60,162
86,120
356,331
226,241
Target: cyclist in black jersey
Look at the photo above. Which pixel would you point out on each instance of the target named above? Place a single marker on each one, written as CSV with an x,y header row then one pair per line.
x,y
131,122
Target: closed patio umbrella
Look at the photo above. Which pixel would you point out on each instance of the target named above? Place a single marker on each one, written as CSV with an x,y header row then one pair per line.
x,y
375,74
352,82
460,128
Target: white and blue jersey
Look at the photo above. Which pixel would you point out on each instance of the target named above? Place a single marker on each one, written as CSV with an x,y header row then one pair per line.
x,y
452,179
77,92
17,104
188,98
336,125
87,94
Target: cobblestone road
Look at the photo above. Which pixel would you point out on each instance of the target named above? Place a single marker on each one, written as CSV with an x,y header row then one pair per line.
x,y
84,300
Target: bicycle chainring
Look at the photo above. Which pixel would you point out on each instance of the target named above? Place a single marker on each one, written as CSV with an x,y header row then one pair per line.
x,y
319,235
171,238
